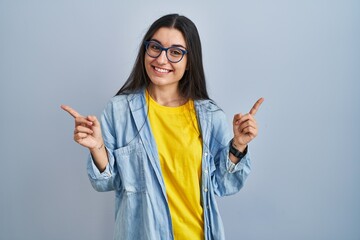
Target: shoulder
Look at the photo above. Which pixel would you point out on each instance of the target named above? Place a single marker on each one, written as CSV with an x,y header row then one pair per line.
x,y
208,106
120,107
121,102
209,111
214,119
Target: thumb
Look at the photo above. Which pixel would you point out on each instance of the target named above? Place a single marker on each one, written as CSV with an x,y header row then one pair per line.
x,y
237,118
94,120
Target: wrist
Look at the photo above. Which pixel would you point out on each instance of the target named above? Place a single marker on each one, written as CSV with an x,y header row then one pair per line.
x,y
238,151
237,146
97,147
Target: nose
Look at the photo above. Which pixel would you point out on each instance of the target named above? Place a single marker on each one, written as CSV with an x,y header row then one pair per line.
x,y
162,59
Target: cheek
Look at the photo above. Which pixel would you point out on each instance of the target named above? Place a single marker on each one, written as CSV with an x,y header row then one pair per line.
x,y
182,68
147,62
185,63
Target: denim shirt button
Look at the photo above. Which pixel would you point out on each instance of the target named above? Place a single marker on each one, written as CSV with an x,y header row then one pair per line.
x,y
205,189
205,154
206,171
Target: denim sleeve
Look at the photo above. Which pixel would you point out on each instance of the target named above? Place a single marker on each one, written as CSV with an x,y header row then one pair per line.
x,y
228,178
102,181
108,179
241,165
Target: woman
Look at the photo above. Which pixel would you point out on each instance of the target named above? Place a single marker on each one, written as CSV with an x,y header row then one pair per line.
x,y
163,146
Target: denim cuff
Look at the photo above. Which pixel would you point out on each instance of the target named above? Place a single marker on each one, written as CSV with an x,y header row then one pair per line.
x,y
94,172
232,167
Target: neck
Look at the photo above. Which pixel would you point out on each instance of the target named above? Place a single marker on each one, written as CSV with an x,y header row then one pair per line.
x,y
169,97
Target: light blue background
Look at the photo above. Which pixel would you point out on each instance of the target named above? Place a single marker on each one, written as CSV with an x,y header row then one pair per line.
x,y
302,56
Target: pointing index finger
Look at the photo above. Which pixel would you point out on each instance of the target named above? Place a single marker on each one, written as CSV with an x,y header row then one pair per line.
x,y
256,106
71,111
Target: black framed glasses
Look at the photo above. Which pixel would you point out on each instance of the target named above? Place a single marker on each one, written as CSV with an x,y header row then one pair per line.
x,y
173,54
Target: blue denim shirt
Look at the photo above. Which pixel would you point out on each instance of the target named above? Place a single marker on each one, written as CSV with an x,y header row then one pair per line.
x,y
134,172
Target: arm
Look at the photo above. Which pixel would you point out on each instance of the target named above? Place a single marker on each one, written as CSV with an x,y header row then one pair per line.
x,y
245,130
88,133
230,171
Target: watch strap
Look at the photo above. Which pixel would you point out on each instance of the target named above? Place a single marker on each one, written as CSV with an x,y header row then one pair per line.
x,y
236,152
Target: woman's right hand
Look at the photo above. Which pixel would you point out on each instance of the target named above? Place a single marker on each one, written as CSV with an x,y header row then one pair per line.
x,y
87,129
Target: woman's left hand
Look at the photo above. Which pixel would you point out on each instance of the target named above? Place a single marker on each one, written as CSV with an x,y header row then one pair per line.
x,y
245,127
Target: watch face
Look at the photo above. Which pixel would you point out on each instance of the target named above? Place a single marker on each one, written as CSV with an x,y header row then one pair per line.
x,y
236,152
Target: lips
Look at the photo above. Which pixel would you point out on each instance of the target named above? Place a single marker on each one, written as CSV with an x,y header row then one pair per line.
x,y
161,70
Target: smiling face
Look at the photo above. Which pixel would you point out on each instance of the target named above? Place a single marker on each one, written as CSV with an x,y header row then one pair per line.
x,y
163,73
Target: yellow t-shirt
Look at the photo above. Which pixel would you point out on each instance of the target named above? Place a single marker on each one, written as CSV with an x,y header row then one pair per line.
x,y
179,145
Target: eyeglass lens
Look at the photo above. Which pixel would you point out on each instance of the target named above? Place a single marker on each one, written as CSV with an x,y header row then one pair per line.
x,y
174,54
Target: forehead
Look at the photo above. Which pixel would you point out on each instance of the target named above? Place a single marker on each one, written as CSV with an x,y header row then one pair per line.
x,y
169,36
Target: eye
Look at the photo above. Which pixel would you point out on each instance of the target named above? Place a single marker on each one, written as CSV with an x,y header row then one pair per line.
x,y
175,52
154,47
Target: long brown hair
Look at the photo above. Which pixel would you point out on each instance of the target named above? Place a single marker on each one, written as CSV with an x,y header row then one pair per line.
x,y
193,84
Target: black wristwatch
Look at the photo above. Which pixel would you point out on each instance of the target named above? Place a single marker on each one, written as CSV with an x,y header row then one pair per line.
x,y
236,152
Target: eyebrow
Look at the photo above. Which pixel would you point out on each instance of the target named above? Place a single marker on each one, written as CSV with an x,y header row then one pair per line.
x,y
174,45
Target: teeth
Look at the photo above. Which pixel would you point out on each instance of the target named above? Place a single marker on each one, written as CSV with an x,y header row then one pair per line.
x,y
161,70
